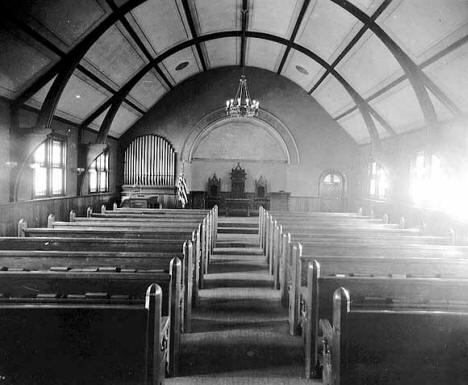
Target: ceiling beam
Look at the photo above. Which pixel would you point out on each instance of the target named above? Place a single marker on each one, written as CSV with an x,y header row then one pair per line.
x,y
116,99
244,15
193,31
411,70
382,122
56,50
353,42
300,17
73,57
439,55
138,42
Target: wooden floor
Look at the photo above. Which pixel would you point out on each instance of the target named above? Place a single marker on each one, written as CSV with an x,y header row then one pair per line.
x,y
240,331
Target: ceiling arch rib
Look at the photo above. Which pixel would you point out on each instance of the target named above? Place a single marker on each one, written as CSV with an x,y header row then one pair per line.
x,y
87,41
60,53
437,56
66,66
305,5
188,15
245,12
118,97
139,43
412,71
352,43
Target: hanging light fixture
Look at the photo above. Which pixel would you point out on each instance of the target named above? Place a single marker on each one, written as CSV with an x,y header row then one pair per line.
x,y
242,104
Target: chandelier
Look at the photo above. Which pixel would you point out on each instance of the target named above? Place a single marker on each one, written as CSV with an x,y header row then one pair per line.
x,y
242,104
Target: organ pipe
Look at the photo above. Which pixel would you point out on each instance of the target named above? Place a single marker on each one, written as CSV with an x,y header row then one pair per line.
x,y
149,160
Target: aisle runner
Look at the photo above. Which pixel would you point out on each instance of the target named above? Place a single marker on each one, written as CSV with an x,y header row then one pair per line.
x,y
240,331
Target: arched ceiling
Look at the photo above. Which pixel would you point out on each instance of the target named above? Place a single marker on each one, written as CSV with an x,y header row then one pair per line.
x,y
379,67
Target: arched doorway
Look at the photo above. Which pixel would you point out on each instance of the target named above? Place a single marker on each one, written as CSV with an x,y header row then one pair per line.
x,y
332,191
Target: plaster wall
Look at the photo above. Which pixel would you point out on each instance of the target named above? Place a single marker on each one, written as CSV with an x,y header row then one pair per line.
x,y
320,142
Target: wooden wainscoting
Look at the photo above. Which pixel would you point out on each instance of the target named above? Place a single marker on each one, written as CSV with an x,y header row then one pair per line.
x,y
304,203
35,211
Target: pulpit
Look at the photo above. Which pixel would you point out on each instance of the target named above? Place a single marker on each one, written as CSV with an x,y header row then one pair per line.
x,y
238,177
237,202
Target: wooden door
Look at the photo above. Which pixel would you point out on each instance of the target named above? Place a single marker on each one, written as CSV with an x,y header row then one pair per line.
x,y
332,191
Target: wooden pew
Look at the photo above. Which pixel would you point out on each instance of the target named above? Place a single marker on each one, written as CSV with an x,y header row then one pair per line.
x,y
105,285
80,341
317,300
124,233
383,265
164,251
99,261
202,228
207,233
395,346
210,217
272,237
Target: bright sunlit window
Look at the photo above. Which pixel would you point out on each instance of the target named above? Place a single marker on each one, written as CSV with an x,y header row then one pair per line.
x,y
378,181
99,174
49,168
428,185
439,187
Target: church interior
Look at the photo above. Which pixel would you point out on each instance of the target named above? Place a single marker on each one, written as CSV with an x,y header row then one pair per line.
x,y
234,192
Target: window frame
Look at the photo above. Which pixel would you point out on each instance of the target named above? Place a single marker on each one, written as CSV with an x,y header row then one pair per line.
x,y
50,164
375,175
100,168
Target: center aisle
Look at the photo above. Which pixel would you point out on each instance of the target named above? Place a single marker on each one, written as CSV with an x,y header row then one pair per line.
x,y
240,330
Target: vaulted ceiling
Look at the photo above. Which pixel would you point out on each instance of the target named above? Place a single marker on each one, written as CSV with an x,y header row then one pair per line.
x,y
379,67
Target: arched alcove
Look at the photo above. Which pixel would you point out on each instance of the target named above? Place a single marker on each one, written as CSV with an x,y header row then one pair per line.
x,y
254,143
240,139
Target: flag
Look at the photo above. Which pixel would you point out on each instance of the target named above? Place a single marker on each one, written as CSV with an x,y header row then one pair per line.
x,y
182,192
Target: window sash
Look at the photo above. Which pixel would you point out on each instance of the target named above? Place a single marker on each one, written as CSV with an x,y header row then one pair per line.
x,y
49,168
98,174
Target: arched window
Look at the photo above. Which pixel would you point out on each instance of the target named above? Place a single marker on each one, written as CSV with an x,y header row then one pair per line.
x,y
99,174
378,181
49,168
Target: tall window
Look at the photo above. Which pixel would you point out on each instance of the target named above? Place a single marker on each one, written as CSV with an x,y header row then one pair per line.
x,y
99,174
427,184
378,181
49,168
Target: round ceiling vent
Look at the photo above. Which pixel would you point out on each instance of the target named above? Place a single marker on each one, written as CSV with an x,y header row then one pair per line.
x,y
182,65
302,70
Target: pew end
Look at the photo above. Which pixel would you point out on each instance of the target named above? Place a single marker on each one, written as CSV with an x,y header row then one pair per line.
x,y
156,345
402,223
311,321
22,225
50,221
385,219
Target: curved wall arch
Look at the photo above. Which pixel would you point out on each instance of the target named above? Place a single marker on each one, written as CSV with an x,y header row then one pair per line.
x,y
265,120
313,139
